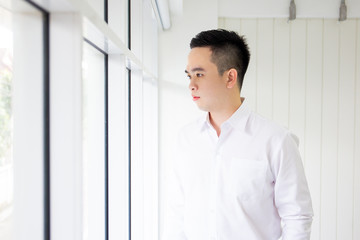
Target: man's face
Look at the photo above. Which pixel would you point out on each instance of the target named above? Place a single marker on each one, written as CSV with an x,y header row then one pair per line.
x,y
207,87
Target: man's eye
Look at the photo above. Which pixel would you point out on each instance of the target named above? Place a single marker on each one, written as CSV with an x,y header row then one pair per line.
x,y
199,74
188,76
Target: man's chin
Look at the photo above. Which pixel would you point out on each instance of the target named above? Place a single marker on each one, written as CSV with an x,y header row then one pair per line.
x,y
202,108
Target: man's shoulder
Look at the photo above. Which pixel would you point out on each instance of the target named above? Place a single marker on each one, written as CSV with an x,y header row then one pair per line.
x,y
258,124
191,130
193,126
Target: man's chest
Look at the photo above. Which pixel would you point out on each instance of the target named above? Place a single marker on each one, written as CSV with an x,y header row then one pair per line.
x,y
235,166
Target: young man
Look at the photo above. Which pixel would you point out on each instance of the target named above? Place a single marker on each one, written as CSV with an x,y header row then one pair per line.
x,y
238,176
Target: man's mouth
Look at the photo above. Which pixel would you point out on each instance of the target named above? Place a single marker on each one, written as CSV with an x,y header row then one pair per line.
x,y
195,98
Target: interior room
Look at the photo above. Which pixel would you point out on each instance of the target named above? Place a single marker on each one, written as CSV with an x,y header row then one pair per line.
x,y
93,95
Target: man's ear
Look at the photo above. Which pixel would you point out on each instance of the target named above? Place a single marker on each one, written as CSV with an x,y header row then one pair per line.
x,y
231,78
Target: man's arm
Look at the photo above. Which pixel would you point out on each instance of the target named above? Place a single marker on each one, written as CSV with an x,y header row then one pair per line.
x,y
292,196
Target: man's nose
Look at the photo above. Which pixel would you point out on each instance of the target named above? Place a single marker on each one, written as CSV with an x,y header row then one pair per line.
x,y
192,86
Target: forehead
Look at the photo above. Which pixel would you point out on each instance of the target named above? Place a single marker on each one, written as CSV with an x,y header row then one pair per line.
x,y
199,57
200,53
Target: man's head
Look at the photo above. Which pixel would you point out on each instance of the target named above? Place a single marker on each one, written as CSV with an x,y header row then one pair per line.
x,y
229,50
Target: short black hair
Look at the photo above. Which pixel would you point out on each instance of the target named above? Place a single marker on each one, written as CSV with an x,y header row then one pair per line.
x,y
229,50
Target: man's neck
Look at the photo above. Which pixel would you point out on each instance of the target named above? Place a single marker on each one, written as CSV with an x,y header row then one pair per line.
x,y
217,118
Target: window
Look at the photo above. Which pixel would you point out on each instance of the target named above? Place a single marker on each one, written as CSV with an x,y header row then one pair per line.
x,y
73,120
25,116
94,143
6,125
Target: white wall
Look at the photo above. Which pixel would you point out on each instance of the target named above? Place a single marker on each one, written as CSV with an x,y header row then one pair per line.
x,y
305,75
175,104
280,8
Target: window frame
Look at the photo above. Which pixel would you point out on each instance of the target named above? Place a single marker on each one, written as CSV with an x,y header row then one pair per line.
x,y
67,23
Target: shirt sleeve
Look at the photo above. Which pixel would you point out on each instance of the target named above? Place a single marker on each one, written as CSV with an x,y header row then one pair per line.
x,y
292,196
174,211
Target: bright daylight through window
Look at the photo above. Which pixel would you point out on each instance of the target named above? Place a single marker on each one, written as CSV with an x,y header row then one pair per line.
x,y
93,143
6,126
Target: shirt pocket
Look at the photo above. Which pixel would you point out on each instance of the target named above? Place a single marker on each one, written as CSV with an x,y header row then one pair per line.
x,y
243,178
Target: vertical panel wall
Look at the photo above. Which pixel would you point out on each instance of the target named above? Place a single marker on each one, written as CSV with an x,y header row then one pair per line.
x,y
329,139
345,206
305,75
313,118
281,66
264,67
356,170
249,29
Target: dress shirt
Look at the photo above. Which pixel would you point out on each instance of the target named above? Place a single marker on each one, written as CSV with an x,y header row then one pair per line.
x,y
246,184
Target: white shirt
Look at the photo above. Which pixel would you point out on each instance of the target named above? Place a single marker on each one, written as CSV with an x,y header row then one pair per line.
x,y
246,184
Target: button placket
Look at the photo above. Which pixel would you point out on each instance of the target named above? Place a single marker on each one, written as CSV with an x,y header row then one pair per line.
x,y
214,188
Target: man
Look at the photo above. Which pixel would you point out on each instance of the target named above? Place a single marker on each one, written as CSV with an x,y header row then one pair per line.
x,y
238,176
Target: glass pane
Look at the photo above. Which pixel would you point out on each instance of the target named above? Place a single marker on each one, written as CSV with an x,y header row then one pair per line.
x,y
6,125
21,122
93,143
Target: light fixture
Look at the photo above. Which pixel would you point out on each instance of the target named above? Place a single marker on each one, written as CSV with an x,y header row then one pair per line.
x,y
343,11
164,13
292,11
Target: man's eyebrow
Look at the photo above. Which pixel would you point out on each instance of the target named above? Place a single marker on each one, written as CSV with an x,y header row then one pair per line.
x,y
195,69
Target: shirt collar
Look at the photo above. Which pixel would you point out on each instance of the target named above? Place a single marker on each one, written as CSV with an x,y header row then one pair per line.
x,y
238,120
204,122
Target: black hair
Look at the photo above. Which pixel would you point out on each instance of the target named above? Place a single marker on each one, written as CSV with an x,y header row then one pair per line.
x,y
229,50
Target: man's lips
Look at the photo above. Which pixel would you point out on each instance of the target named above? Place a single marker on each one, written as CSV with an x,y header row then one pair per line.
x,y
195,98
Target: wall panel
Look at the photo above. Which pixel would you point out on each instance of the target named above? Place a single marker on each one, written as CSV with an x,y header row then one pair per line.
x,y
305,74
297,81
346,128
221,23
281,72
233,23
313,117
249,30
330,130
264,67
356,186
